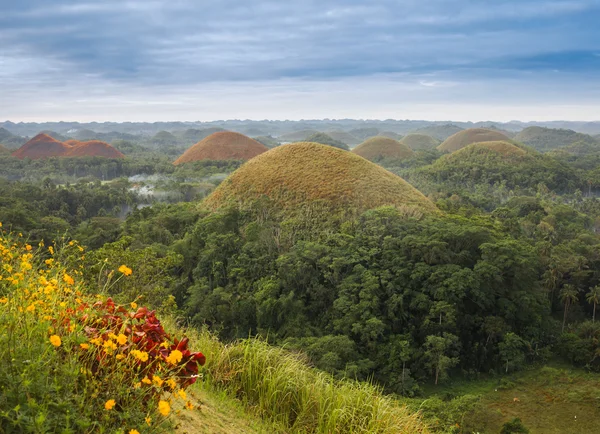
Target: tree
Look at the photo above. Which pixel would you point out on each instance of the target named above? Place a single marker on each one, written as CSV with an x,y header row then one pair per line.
x,y
436,350
514,426
568,295
593,297
511,349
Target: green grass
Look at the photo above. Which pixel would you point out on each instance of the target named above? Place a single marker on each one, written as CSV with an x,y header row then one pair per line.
x,y
419,141
472,135
550,400
382,147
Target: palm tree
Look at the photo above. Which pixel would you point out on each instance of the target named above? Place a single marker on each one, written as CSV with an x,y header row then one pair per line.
x,y
568,295
593,297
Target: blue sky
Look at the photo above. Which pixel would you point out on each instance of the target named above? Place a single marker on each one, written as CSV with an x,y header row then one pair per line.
x,y
205,60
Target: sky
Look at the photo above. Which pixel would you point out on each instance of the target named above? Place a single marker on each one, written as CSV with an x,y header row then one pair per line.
x,y
196,60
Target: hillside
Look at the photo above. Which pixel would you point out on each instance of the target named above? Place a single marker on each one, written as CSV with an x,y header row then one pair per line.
x,y
472,135
10,140
325,139
3,150
391,135
193,135
379,147
93,148
344,137
440,132
72,142
300,173
503,148
225,145
296,136
41,146
546,139
418,142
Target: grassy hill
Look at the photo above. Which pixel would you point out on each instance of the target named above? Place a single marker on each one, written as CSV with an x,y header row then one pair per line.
x,y
344,137
418,142
467,137
225,145
440,132
325,139
93,148
296,136
302,173
379,147
546,139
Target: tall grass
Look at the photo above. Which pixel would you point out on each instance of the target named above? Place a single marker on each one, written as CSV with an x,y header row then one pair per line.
x,y
281,387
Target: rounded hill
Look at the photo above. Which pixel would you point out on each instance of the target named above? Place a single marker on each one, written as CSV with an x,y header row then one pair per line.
x,y
379,147
93,148
41,146
71,142
419,142
225,145
294,175
3,150
499,147
472,135
545,139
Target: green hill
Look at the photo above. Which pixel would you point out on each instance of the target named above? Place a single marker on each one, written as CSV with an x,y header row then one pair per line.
x,y
472,135
546,139
440,132
325,139
344,137
379,147
418,142
296,136
301,173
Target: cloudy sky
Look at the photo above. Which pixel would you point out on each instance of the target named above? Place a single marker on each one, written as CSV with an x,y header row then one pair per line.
x,y
146,60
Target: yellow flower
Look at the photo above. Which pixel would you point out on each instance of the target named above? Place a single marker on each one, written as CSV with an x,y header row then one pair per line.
x,y
109,347
148,420
175,357
121,339
171,383
0,224
137,385
27,246
108,405
125,270
157,380
164,408
146,380
30,308
182,394
84,346
51,250
134,431
120,357
189,405
55,340
133,305
142,356
96,341
3,300
68,279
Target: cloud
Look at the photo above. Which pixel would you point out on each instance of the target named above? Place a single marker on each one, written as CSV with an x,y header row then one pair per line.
x,y
187,45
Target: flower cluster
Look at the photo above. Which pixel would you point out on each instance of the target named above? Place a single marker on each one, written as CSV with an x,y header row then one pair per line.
x,y
126,358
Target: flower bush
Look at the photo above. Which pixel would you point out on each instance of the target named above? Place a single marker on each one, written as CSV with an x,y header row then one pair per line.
x,y
73,361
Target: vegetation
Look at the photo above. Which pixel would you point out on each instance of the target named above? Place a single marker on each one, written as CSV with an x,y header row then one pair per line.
x,y
377,148
546,139
324,139
223,146
472,135
309,174
418,142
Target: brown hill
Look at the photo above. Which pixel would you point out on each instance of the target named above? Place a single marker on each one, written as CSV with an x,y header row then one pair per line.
x,y
93,148
41,146
379,147
418,142
225,145
301,173
503,148
472,135
72,142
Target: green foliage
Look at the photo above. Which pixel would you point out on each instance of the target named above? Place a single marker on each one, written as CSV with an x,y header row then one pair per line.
x,y
324,139
515,426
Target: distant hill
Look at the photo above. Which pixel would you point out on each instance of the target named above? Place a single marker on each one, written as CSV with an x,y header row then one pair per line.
x,y
268,141
324,139
93,148
546,139
71,142
296,175
440,132
580,149
54,135
10,140
41,146
344,137
296,136
503,148
391,135
379,147
472,135
418,142
364,133
193,135
225,145
87,135
164,138
3,150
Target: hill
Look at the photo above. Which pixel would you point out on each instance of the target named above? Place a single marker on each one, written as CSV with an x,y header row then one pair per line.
x,y
225,145
472,135
500,147
296,136
192,135
545,139
3,150
93,148
391,135
344,137
72,142
417,142
164,138
365,132
325,139
41,146
379,147
294,175
440,132
10,140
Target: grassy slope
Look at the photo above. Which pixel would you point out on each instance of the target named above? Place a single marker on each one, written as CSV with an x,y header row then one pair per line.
x,y
472,135
382,147
550,400
225,145
419,141
292,175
